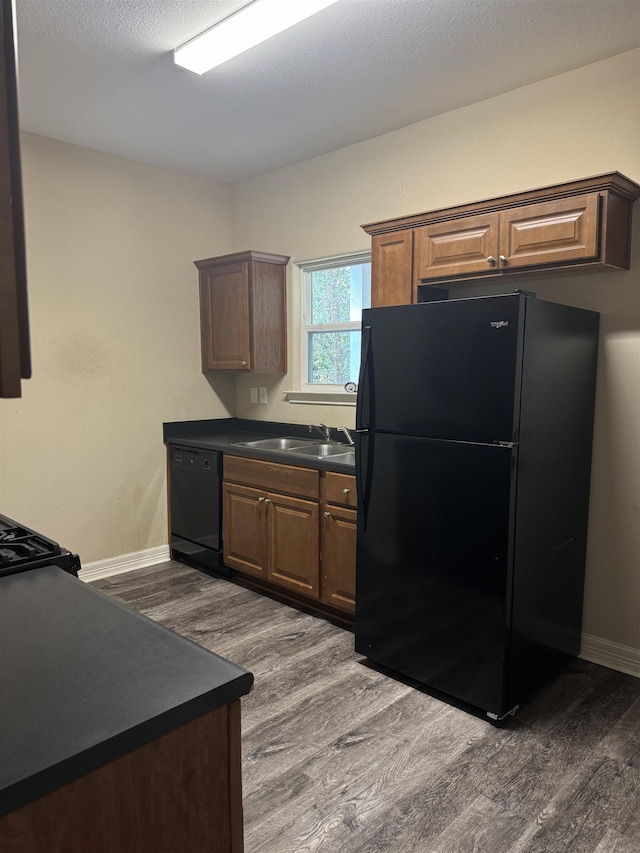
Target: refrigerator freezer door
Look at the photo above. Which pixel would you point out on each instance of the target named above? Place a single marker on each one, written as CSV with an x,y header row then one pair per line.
x,y
433,565
443,369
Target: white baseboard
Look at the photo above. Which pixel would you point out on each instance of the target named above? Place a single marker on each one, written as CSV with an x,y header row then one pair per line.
x,y
124,563
614,655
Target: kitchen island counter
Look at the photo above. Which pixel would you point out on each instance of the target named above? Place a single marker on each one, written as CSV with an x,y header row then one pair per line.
x,y
87,683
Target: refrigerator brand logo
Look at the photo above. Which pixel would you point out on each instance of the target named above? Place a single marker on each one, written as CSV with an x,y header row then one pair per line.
x,y
498,324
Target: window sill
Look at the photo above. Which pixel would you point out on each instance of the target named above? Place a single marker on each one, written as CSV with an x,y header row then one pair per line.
x,y
321,398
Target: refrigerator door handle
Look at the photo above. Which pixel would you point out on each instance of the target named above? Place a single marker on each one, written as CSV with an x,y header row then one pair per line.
x,y
364,423
365,384
364,470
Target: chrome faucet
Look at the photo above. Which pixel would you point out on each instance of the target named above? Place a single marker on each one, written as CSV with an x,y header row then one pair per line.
x,y
350,440
324,431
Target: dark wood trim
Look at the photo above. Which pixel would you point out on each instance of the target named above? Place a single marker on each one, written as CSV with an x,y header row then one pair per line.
x,y
15,356
236,815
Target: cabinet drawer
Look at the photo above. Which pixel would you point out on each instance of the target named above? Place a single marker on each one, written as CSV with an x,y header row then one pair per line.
x,y
304,482
340,489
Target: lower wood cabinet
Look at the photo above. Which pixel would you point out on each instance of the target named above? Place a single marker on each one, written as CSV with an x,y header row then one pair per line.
x,y
338,563
293,540
291,528
244,529
271,534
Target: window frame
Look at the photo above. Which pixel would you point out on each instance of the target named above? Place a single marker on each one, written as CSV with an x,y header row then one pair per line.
x,y
307,268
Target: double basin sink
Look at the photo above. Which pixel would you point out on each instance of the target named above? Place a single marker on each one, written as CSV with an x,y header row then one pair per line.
x,y
308,447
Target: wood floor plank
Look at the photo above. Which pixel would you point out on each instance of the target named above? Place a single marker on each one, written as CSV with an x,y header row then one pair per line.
x,y
481,828
417,816
340,796
623,739
613,842
310,719
543,760
341,758
278,681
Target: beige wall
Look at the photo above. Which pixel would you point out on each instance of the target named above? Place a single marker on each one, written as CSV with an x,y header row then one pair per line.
x,y
582,123
115,344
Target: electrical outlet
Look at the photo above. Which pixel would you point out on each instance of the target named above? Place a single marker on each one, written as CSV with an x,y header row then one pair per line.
x,y
254,395
263,396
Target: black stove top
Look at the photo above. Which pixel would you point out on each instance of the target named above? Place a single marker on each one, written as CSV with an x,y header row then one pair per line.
x,y
22,548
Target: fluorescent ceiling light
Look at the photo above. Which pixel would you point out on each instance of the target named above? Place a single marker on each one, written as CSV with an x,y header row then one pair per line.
x,y
251,25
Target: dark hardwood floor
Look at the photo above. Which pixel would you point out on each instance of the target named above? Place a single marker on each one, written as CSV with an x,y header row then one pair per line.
x,y
339,757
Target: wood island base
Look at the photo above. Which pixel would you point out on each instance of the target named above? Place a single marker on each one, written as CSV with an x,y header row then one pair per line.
x,y
182,792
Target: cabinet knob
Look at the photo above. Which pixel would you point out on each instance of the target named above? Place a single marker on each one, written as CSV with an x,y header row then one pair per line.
x,y
267,500
327,514
503,260
346,491
491,259
261,500
244,363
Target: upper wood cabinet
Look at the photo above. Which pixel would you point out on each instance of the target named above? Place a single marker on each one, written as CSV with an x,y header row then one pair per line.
x,y
554,232
463,247
579,226
392,268
243,314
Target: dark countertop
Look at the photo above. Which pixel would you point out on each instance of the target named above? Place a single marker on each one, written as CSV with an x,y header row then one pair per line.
x,y
222,434
84,680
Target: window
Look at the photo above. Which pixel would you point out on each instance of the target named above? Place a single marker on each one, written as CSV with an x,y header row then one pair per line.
x,y
335,292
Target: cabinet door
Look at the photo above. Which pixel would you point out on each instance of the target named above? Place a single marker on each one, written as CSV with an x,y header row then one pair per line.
x,y
392,269
458,247
244,535
225,325
294,544
268,318
550,232
339,557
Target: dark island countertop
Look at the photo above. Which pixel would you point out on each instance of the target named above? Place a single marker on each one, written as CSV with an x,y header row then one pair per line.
x,y
84,681
223,434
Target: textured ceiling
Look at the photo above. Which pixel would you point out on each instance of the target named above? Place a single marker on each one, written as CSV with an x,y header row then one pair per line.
x,y
100,73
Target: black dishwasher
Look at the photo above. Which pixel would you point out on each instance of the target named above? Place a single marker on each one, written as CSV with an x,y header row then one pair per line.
x,y
195,484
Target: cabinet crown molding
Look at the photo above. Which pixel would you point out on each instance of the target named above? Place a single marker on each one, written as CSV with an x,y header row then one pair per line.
x,y
242,257
612,182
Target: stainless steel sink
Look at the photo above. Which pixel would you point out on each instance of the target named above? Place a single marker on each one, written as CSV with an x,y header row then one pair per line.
x,y
276,443
321,450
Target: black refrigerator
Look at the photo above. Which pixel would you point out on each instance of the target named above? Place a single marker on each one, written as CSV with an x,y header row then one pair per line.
x,y
474,427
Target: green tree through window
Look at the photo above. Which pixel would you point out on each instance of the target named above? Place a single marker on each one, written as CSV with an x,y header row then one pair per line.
x,y
335,295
